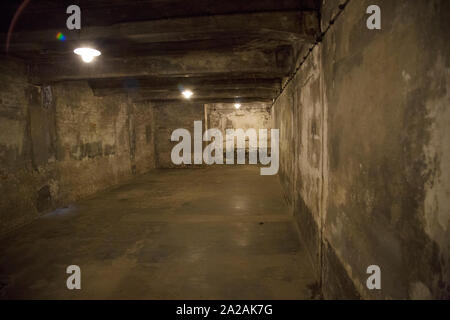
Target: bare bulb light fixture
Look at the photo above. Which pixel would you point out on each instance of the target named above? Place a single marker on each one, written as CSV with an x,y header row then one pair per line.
x,y
237,105
187,94
87,54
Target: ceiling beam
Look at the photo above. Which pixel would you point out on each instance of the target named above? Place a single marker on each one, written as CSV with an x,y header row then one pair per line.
x,y
252,63
213,93
207,100
104,87
50,51
281,26
51,13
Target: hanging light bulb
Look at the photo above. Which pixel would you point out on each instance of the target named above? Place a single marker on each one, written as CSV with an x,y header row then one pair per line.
x,y
187,94
237,105
87,54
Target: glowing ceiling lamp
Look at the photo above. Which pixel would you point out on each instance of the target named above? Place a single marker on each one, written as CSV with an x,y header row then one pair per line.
x,y
87,54
187,94
237,105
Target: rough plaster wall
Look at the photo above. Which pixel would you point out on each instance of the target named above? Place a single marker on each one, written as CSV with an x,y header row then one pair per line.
x,y
145,137
168,118
94,139
18,180
298,116
385,104
225,116
387,94
61,143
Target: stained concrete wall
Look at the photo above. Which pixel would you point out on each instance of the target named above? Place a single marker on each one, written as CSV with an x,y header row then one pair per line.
x,y
169,117
225,116
18,184
144,135
298,115
60,143
365,150
181,115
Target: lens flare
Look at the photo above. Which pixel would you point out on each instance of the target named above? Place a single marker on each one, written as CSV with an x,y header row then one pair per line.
x,y
61,37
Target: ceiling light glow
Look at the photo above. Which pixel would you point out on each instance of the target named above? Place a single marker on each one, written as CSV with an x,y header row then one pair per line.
x,y
237,105
187,94
87,54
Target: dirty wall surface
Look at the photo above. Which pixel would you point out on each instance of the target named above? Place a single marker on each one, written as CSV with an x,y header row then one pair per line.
x,y
224,116
170,116
60,143
181,115
365,150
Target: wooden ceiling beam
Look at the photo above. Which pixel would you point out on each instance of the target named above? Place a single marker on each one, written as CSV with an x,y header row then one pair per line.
x,y
256,63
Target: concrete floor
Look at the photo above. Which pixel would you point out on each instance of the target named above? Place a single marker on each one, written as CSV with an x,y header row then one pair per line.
x,y
212,233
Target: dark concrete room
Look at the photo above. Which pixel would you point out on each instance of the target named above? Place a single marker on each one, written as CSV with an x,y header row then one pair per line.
x,y
225,150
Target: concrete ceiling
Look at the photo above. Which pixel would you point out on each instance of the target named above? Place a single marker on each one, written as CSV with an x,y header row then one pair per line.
x,y
152,48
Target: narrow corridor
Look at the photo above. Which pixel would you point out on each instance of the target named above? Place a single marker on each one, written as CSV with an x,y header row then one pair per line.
x,y
122,123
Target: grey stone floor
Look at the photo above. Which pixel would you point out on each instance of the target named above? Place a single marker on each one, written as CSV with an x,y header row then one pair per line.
x,y
213,233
